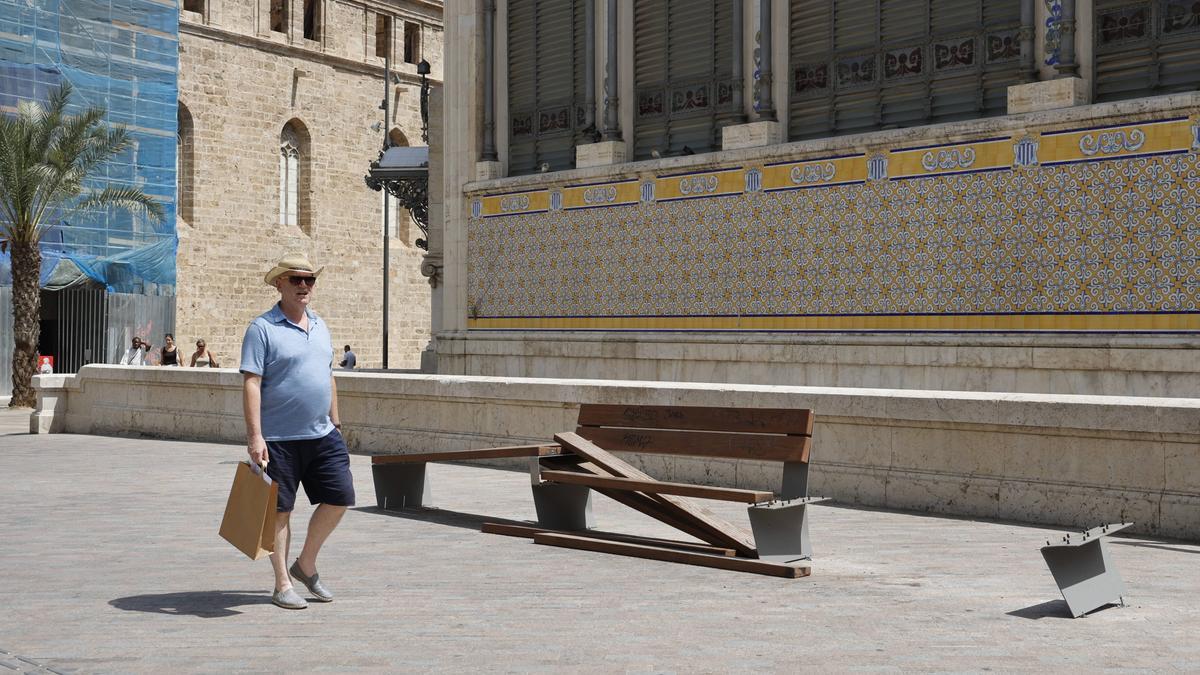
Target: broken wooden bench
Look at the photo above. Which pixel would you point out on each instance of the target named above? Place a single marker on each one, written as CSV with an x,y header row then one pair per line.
x,y
565,473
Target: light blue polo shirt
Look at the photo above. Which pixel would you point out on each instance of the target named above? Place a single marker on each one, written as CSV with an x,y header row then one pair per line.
x,y
296,367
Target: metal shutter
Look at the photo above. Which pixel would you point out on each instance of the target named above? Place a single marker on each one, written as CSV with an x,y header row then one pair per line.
x,y
855,65
682,70
542,84
1145,48
859,65
810,80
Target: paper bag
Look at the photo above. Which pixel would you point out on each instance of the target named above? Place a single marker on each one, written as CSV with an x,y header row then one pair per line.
x,y
249,522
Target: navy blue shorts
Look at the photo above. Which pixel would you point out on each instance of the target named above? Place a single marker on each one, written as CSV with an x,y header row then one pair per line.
x,y
321,465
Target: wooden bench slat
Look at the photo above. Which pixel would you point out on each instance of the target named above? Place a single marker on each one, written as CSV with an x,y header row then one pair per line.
x,y
544,450
527,531
660,487
695,418
701,444
585,543
651,505
719,532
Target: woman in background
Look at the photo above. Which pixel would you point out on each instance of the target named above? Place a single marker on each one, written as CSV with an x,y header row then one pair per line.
x,y
202,358
170,353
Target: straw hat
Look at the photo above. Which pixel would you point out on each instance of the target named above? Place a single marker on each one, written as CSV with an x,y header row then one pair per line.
x,y
292,262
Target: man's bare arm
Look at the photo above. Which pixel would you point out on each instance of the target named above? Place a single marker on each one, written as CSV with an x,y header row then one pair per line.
x,y
252,409
333,406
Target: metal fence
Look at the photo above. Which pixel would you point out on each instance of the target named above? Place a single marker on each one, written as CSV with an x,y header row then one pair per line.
x,y
87,326
129,316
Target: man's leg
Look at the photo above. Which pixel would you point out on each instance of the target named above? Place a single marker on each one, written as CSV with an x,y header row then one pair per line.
x,y
283,541
324,520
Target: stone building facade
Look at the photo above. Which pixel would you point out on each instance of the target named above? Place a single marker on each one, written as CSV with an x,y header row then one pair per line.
x,y
1007,202
279,113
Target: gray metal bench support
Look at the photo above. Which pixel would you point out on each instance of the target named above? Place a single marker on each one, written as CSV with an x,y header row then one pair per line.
x,y
781,529
560,506
795,480
1083,570
400,485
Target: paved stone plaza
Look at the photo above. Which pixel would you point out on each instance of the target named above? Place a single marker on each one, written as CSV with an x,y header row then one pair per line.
x,y
111,562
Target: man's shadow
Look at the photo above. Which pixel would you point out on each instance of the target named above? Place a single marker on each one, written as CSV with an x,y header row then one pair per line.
x,y
204,604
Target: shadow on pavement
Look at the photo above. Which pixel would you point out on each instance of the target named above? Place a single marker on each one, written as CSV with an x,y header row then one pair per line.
x,y
1144,544
467,521
204,604
1054,609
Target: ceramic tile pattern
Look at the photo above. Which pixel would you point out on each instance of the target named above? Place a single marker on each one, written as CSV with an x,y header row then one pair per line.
x,y
1076,229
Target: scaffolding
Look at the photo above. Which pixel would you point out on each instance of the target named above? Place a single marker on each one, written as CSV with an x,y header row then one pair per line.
x,y
122,55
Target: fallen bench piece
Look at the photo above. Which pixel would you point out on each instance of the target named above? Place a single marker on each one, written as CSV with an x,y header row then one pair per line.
x,y
585,543
659,487
400,479
528,531
714,530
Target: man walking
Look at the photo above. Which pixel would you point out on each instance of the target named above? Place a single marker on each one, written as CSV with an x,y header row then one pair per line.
x,y
290,403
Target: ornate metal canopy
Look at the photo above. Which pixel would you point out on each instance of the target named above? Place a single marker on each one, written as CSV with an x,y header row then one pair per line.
x,y
404,173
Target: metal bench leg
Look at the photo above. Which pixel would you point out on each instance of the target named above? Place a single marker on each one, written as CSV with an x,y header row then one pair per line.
x,y
1084,571
781,530
795,480
399,486
563,507
560,507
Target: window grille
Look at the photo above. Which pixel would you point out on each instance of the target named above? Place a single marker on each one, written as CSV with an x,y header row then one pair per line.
x,y
861,65
1145,48
683,75
545,84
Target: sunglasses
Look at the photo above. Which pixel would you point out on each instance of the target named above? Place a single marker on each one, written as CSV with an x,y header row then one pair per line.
x,y
307,281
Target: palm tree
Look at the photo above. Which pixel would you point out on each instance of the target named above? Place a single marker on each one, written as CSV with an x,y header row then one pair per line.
x,y
45,157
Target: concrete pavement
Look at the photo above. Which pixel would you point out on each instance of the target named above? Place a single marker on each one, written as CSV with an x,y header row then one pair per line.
x,y
111,562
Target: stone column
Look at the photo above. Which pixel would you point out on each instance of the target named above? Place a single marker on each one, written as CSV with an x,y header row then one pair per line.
x,y
764,104
589,65
766,129
489,83
611,149
612,125
1065,90
1067,67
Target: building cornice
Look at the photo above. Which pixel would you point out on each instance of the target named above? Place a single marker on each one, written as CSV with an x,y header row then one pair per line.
x,y
297,52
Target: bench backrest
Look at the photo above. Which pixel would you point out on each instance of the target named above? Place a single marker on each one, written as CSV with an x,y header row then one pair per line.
x,y
767,434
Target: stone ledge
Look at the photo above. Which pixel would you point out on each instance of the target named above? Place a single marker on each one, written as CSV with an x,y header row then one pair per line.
x,y
602,153
1050,458
1065,92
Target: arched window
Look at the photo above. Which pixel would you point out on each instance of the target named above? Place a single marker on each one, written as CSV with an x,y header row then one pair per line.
x,y
184,165
294,176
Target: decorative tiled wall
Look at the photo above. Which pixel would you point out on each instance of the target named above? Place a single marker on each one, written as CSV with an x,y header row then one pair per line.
x,y
1080,229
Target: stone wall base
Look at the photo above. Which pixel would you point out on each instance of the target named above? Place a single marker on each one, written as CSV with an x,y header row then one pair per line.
x,y
1064,460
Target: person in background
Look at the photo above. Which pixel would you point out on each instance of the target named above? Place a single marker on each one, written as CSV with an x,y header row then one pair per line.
x,y
202,358
348,359
170,353
135,355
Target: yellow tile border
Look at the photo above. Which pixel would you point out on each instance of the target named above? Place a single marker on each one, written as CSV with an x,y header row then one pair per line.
x,y
1164,321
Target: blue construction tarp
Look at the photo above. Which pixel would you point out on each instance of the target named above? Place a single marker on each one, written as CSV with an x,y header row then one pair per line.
x,y
122,55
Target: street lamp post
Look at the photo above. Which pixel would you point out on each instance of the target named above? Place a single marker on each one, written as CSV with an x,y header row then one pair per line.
x,y
403,173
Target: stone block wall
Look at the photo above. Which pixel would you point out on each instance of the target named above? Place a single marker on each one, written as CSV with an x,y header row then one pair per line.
x,y
241,83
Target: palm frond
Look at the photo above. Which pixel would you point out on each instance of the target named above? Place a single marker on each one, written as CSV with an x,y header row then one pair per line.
x,y
128,198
